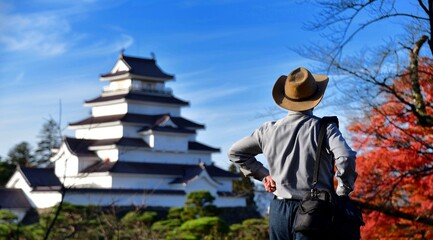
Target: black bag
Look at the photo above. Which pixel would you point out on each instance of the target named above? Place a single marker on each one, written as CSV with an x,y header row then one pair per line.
x,y
323,212
316,212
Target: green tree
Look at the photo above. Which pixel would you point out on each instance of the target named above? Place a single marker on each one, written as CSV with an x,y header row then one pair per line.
x,y
199,204
165,227
250,229
49,138
6,171
208,228
243,187
136,225
8,227
21,154
175,213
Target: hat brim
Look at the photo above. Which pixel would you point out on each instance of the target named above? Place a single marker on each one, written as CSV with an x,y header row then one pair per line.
x,y
306,104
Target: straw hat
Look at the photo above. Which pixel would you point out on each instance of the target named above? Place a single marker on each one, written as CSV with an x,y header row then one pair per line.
x,y
300,90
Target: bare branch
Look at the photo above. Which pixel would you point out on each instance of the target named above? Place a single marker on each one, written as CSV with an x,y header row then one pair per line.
x,y
395,212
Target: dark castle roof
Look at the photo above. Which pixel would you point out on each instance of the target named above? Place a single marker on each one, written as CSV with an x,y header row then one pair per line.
x,y
140,97
180,170
142,67
13,198
80,147
149,120
40,177
167,129
201,147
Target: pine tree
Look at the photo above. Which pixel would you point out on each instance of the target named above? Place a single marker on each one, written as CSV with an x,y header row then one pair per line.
x,y
49,138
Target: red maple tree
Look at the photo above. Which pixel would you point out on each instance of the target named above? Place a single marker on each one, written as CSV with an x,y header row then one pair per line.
x,y
395,161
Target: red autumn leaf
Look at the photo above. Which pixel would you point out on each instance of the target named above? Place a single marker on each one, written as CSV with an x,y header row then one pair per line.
x,y
395,161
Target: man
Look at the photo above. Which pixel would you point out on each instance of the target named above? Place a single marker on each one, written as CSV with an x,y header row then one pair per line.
x,y
289,146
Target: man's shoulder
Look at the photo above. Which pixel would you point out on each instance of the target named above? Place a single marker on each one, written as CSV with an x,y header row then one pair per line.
x,y
268,124
329,120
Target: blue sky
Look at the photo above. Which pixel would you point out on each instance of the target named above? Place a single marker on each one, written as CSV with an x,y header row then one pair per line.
x,y
225,55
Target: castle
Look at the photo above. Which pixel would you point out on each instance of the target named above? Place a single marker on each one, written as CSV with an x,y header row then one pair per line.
x,y
135,149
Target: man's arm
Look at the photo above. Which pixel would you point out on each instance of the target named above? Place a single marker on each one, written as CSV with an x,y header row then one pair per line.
x,y
346,175
243,153
345,159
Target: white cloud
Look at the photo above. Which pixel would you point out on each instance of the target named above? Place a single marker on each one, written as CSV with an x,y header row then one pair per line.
x,y
50,32
43,34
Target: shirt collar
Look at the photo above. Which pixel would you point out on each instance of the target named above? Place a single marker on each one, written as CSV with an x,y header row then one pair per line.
x,y
307,112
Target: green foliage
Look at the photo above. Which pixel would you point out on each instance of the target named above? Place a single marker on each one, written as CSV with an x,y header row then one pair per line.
x,y
250,229
73,222
6,171
165,226
136,225
7,217
198,204
205,227
34,231
175,213
21,155
93,222
140,218
199,199
7,224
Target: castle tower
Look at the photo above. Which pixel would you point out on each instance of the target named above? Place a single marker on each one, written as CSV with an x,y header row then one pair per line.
x,y
136,148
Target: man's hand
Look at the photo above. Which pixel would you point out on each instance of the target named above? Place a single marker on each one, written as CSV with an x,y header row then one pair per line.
x,y
269,184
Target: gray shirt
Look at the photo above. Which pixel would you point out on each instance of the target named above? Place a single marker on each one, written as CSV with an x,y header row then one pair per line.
x,y
289,146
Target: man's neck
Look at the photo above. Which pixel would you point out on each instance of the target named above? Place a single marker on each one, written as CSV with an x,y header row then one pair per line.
x,y
306,112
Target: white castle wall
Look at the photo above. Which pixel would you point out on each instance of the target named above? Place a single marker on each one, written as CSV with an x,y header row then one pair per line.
x,y
66,166
111,155
136,108
112,109
99,132
169,142
83,180
17,181
144,199
146,181
44,199
140,181
154,109
138,199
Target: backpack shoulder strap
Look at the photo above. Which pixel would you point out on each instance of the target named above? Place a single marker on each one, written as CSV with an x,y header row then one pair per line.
x,y
329,119
322,132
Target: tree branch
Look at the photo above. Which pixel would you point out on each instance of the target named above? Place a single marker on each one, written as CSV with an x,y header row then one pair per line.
x,y
394,212
419,109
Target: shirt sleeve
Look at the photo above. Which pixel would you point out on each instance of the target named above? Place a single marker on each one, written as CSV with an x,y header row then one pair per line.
x,y
345,161
243,152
